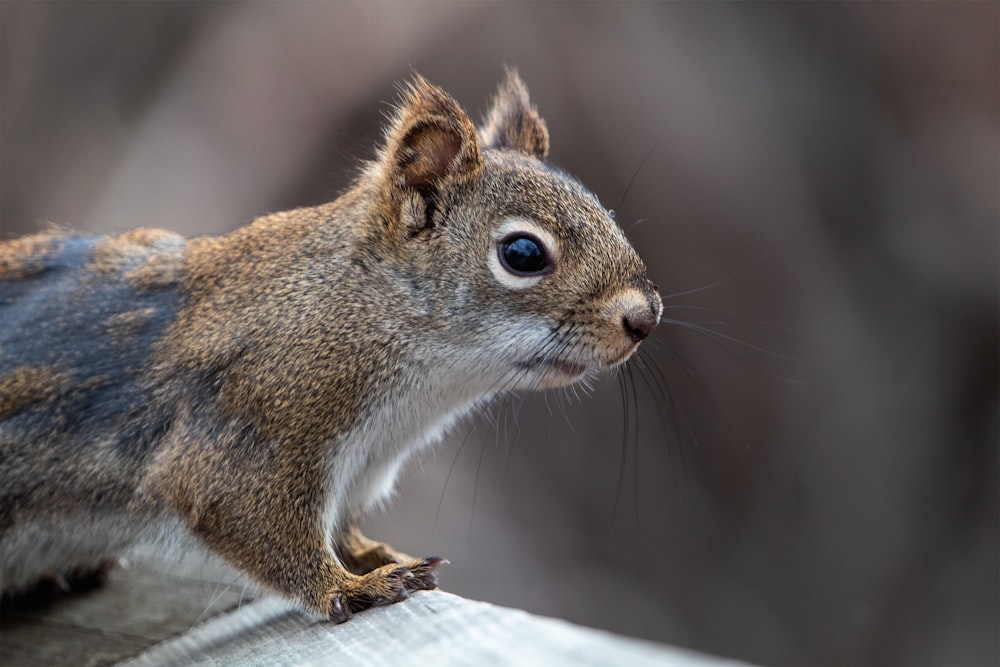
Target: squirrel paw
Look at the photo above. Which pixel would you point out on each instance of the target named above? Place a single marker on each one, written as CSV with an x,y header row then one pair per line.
x,y
339,611
384,585
50,589
424,573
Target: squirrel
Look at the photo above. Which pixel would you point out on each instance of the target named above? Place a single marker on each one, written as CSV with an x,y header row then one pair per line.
x,y
260,391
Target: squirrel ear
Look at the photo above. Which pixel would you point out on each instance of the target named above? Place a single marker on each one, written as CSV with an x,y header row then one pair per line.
x,y
431,138
513,122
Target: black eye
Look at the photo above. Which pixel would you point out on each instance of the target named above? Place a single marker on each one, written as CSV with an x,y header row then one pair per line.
x,y
523,255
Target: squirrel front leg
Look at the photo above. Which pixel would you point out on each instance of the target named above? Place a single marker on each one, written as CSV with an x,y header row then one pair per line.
x,y
277,538
301,565
362,555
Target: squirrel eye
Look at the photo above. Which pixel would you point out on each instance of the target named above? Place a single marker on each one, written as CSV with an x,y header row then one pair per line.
x,y
523,255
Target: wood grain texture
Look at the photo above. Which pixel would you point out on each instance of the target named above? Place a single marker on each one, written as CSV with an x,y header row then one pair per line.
x,y
431,628
196,611
143,603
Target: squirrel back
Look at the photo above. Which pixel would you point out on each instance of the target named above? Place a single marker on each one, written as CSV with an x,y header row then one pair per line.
x,y
263,389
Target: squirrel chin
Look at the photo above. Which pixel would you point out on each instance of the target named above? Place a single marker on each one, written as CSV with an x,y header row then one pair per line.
x,y
557,373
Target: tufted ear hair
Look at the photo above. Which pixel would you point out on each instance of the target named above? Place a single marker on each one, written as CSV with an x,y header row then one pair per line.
x,y
430,140
513,122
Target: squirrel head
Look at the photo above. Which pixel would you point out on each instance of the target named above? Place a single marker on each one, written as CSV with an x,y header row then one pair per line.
x,y
517,270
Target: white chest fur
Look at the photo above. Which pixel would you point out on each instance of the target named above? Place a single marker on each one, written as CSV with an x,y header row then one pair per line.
x,y
366,463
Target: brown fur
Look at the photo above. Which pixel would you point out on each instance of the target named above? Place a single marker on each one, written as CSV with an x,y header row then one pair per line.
x,y
270,366
124,326
26,385
24,257
149,258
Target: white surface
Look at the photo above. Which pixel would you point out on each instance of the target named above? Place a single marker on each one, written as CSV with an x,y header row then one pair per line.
x,y
431,628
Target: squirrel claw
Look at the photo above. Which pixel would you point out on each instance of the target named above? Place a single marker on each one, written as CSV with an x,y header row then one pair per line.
x,y
424,573
339,610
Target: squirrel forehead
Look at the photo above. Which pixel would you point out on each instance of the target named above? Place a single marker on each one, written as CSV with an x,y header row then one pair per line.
x,y
526,187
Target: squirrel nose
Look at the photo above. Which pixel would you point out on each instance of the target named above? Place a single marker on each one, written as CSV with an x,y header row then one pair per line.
x,y
638,325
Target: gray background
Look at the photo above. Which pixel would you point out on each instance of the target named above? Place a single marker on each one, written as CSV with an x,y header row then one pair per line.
x,y
814,480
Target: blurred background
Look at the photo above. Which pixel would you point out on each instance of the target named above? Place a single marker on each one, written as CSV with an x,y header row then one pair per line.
x,y
802,468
